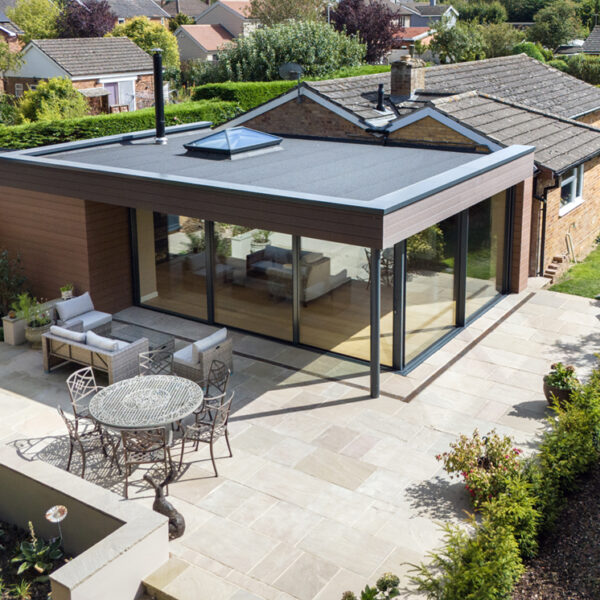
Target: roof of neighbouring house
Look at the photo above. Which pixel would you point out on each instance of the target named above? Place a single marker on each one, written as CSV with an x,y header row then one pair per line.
x,y
210,37
420,8
412,33
592,42
127,9
191,8
96,56
241,7
11,28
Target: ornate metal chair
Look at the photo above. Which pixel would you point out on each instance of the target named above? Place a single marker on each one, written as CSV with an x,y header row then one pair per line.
x,y
144,447
215,390
82,387
86,437
156,362
209,431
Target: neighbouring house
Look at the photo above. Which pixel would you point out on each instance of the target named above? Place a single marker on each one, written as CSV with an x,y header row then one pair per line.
x,y
113,73
405,39
233,15
279,223
421,14
128,9
592,42
191,8
201,42
10,33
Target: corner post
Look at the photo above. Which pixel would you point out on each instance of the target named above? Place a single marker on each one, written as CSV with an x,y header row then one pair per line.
x,y
375,270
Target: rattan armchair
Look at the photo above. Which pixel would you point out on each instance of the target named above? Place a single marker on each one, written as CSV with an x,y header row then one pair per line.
x,y
144,447
86,437
209,431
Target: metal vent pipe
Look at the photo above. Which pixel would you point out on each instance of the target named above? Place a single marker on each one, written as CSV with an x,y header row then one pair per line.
x,y
159,98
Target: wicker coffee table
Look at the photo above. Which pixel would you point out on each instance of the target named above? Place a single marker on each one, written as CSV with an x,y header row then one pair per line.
x,y
146,402
156,339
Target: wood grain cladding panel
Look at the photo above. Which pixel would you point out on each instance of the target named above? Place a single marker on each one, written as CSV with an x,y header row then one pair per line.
x,y
290,217
411,219
48,232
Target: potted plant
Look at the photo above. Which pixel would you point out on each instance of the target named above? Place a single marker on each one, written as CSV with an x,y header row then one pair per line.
x,y
559,383
66,291
260,239
36,316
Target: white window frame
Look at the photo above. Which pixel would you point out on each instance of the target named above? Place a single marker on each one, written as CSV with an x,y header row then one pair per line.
x,y
19,90
575,182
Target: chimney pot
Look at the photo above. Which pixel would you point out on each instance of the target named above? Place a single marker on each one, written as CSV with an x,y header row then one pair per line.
x,y
408,76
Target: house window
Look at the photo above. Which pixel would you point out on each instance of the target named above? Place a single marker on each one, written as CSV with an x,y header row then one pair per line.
x,y
571,190
18,90
120,20
32,86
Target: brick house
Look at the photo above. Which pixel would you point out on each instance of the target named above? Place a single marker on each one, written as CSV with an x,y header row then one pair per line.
x,y
191,8
201,42
128,9
507,100
233,15
113,73
421,14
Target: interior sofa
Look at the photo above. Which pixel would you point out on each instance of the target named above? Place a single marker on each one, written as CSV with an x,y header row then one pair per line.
x,y
79,313
118,359
275,264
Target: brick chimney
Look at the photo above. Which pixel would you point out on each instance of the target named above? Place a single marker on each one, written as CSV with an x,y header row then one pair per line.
x,y
408,75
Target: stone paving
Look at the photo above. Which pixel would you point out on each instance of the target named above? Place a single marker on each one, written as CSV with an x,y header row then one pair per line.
x,y
327,488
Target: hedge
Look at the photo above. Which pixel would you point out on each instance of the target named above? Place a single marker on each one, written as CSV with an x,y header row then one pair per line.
x,y
247,94
41,133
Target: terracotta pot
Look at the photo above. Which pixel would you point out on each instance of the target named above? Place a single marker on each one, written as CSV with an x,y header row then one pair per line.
x,y
34,335
563,396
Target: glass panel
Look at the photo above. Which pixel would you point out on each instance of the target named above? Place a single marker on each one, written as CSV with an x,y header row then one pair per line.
x,y
234,140
567,193
171,262
430,287
485,252
335,307
387,307
253,280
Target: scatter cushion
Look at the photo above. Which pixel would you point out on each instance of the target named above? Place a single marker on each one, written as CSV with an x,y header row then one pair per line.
x,y
121,345
184,356
68,334
101,342
311,257
67,309
90,320
218,337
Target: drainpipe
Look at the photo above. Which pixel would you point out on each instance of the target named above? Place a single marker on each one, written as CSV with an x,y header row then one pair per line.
x,y
159,100
544,200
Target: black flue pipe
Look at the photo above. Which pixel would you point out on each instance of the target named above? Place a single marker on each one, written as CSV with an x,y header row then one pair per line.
x,y
380,97
159,99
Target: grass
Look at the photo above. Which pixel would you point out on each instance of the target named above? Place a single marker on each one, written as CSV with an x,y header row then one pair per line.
x,y
354,71
582,279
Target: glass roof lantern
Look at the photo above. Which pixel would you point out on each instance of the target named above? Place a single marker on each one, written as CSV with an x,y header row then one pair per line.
x,y
232,141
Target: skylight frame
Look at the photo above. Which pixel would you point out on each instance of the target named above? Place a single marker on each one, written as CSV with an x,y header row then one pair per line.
x,y
269,141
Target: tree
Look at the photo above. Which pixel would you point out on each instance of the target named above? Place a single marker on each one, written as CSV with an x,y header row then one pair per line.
x,y
482,12
587,11
371,20
531,49
499,39
271,12
523,10
148,35
555,24
316,46
37,18
178,20
52,100
460,43
94,19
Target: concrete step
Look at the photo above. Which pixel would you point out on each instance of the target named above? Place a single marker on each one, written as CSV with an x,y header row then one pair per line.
x,y
180,580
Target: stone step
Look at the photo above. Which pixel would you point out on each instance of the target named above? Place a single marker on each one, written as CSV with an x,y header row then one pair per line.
x,y
180,580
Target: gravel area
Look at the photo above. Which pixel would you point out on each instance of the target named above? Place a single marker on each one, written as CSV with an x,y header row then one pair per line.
x,y
568,564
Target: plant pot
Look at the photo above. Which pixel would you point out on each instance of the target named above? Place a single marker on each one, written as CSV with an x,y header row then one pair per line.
x,y
563,396
34,335
66,295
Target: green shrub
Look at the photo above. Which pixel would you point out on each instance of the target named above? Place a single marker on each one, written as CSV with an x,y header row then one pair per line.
x,y
385,589
559,64
12,280
53,99
530,49
33,135
515,508
585,67
9,111
247,94
481,12
483,566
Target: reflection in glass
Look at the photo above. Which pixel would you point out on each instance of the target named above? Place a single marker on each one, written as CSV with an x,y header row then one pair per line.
x,y
485,252
430,289
172,262
253,280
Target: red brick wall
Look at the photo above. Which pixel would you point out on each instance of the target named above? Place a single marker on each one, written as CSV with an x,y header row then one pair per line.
x,y
583,222
144,91
9,83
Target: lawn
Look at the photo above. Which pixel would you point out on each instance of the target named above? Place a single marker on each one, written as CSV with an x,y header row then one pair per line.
x,y
582,279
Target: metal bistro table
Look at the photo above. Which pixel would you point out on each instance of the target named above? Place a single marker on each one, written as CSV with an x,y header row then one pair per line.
x,y
148,402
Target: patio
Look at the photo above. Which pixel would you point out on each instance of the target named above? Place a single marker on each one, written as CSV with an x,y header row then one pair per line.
x,y
327,488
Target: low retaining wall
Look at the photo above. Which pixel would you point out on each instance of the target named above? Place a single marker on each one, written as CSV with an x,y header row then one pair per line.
x,y
116,543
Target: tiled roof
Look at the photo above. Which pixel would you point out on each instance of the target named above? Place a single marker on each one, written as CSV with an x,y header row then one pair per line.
x,y
191,8
421,8
410,33
210,37
560,143
96,56
592,42
7,24
518,79
241,7
127,9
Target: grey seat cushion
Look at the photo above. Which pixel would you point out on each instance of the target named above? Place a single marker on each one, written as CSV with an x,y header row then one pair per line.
x,y
90,320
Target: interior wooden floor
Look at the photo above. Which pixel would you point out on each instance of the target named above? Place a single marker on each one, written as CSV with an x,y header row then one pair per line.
x,y
339,321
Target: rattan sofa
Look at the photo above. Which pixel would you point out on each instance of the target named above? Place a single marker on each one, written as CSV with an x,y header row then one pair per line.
x,y
118,364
